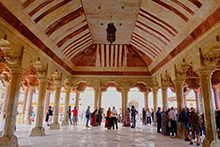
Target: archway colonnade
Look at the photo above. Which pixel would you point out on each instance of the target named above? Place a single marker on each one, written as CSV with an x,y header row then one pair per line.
x,y
196,67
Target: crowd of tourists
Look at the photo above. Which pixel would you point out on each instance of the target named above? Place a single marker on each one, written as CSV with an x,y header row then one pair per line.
x,y
168,122
190,120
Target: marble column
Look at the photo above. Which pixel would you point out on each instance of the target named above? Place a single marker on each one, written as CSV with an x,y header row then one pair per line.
x,y
96,99
185,99
208,106
77,99
216,96
180,103
8,138
124,104
28,109
55,125
26,88
47,102
66,107
146,102
196,91
5,101
100,99
164,96
155,105
38,129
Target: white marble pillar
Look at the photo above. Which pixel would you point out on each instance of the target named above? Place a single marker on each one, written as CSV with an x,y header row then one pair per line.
x,y
216,96
77,99
26,88
164,96
66,107
5,101
180,103
124,104
196,91
8,138
47,102
100,99
155,91
185,99
146,100
208,106
39,130
28,109
96,98
55,125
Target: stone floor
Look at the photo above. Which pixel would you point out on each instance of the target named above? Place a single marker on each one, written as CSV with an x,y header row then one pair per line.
x,y
80,136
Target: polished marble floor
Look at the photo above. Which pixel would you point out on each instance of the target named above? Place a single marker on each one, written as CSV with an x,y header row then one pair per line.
x,y
80,136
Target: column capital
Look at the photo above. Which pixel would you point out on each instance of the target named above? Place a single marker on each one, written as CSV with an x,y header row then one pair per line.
x,y
67,84
57,77
180,71
205,72
41,69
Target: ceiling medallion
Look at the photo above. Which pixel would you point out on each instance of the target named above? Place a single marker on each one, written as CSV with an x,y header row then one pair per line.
x,y
111,32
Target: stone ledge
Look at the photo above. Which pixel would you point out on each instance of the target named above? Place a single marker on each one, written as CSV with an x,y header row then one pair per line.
x,y
38,131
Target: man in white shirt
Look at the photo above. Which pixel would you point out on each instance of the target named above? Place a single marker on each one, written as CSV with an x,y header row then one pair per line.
x,y
148,116
172,118
114,118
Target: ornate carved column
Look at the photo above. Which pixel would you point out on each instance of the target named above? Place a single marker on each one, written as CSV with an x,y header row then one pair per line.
x,y
67,87
209,56
208,107
6,80
180,74
13,59
197,92
216,96
26,88
146,102
39,130
57,81
28,108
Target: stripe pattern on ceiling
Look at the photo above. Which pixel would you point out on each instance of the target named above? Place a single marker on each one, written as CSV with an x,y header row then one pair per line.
x,y
153,32
64,22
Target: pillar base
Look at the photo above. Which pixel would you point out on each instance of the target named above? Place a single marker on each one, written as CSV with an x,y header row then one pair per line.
x,y
11,141
215,143
65,123
154,124
55,126
180,132
40,131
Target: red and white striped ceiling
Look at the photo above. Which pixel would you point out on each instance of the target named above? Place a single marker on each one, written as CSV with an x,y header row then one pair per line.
x,y
75,30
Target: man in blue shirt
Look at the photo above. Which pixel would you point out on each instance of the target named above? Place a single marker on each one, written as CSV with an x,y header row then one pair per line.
x,y
133,114
184,120
158,116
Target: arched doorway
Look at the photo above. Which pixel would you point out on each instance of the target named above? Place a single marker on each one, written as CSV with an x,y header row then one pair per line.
x,y
133,103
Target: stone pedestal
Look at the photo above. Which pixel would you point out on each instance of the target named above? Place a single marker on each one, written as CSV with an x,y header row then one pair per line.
x,y
38,130
55,125
65,121
180,102
11,141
